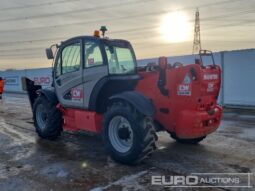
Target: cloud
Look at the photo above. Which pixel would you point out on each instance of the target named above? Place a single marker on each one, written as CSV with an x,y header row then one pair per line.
x,y
31,25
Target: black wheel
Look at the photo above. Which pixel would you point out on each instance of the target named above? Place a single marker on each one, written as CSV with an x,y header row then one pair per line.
x,y
187,141
48,119
129,136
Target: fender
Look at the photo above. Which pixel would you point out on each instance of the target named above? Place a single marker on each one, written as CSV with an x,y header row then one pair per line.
x,y
34,90
110,86
142,103
49,94
29,86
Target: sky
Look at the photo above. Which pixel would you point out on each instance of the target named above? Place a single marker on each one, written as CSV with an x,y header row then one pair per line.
x,y
154,27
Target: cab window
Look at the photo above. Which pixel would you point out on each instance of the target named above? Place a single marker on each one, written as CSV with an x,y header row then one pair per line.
x,y
93,55
71,58
120,60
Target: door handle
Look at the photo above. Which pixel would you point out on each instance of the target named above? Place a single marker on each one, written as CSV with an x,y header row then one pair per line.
x,y
58,81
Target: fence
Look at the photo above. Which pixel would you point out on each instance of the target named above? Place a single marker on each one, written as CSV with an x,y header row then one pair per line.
x,y
238,88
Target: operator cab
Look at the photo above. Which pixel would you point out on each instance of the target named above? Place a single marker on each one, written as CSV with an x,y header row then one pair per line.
x,y
117,54
85,66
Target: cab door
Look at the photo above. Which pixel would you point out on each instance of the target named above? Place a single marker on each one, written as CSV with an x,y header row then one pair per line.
x,y
68,76
95,67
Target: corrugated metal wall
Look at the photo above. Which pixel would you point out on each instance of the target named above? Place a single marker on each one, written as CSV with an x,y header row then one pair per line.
x,y
238,86
13,83
239,78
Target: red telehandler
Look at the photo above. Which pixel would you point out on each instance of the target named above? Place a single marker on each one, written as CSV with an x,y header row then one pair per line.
x,y
97,87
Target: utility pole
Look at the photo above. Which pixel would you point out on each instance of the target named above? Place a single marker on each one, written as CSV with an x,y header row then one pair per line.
x,y
197,39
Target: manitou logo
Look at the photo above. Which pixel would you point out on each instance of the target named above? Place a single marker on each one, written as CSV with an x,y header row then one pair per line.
x,y
211,77
77,93
184,90
184,87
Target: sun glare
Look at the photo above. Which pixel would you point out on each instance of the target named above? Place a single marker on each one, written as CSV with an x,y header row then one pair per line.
x,y
175,27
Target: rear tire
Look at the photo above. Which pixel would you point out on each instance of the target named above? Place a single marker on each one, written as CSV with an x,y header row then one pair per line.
x,y
187,141
48,119
129,135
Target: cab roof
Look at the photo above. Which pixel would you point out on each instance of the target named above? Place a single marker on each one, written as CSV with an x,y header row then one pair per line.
x,y
95,39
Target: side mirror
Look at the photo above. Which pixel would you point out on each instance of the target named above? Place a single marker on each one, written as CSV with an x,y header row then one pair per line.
x,y
163,63
49,53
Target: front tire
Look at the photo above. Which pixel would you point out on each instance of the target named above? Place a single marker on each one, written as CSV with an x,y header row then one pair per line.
x,y
129,135
48,119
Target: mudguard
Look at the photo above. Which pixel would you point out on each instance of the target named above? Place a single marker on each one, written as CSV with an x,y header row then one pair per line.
x,y
142,103
35,90
49,94
29,86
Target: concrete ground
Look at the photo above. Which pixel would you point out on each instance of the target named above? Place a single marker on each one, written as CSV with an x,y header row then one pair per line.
x,y
79,162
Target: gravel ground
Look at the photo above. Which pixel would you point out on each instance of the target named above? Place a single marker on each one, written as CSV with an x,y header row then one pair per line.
x,y
78,161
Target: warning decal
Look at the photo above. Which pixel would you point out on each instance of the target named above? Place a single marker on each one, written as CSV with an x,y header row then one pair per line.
x,y
187,79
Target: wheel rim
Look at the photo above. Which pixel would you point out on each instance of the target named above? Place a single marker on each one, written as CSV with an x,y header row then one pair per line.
x,y
120,134
41,117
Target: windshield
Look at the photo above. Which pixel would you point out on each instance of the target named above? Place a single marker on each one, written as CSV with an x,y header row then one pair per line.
x,y
120,60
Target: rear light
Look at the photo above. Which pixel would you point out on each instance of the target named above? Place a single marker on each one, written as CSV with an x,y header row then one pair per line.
x,y
201,107
206,107
208,123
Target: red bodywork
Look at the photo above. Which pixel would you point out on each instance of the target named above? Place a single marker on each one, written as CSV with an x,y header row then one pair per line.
x,y
189,111
75,120
189,103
